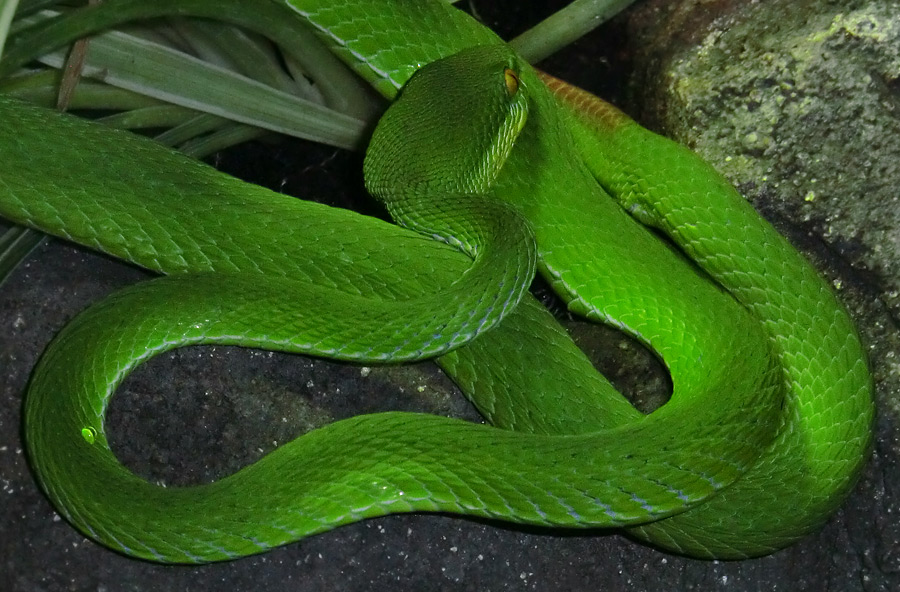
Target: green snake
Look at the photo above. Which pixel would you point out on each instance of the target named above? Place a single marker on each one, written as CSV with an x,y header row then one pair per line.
x,y
493,169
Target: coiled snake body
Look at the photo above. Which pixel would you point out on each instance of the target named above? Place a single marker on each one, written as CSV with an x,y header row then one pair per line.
x,y
770,416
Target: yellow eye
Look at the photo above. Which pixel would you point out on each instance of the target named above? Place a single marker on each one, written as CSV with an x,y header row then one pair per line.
x,y
512,81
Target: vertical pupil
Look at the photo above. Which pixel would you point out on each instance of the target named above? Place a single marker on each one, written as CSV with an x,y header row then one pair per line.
x,y
512,81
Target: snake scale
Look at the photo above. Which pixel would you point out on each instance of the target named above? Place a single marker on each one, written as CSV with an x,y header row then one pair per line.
x,y
493,170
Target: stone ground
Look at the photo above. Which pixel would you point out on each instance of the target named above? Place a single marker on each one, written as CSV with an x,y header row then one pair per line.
x,y
795,101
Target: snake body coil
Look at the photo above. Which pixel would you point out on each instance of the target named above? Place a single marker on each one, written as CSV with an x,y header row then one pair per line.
x,y
770,417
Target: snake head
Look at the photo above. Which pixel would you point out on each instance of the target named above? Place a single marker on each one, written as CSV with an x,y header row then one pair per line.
x,y
451,129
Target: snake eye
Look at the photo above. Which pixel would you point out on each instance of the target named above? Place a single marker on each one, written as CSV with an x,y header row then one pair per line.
x,y
512,81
